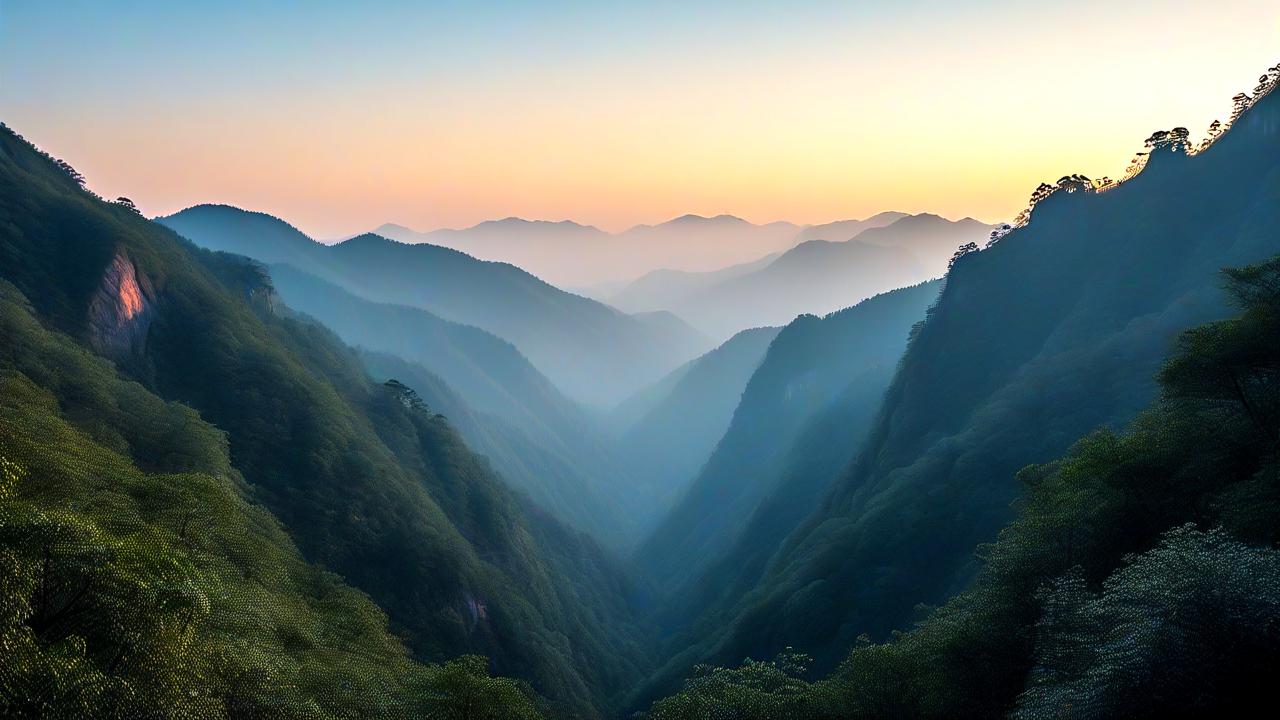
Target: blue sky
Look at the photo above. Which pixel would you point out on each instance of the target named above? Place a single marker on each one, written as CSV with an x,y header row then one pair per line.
x,y
344,115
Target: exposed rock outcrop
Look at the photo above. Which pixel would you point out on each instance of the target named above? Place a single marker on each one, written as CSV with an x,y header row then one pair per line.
x,y
121,311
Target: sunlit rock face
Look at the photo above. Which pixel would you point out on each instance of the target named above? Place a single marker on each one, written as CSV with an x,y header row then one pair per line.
x,y
121,311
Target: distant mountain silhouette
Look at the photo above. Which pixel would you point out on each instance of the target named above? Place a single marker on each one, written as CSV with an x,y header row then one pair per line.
x,y
847,229
667,288
568,254
818,276
592,352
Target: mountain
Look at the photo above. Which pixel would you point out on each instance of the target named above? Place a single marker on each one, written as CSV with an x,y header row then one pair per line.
x,y
847,229
668,288
571,255
1056,329
141,579
800,417
669,431
1140,577
592,352
539,440
362,476
562,253
932,239
814,277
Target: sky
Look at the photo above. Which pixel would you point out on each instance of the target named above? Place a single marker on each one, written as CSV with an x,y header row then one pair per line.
x,y
341,116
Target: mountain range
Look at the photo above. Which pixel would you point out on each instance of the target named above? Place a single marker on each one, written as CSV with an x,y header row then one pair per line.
x,y
568,254
1056,329
931,469
817,276
592,352
150,355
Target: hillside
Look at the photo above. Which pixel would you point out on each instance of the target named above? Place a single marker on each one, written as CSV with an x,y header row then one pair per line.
x,y
363,478
1053,331
799,420
593,353
575,478
689,412
1139,579
140,578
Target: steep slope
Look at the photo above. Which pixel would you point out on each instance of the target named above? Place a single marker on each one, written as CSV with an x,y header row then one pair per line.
x,y
576,479
1140,579
140,580
668,288
674,436
363,478
592,352
1053,331
820,377
819,276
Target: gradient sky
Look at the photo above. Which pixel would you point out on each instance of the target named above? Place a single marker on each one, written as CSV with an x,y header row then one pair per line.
x,y
340,116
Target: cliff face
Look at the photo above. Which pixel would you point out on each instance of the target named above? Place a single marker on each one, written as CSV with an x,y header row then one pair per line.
x,y
121,311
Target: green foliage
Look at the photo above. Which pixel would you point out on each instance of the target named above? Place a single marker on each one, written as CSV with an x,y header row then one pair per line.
x,y
1186,628
754,690
1138,579
384,495
1056,330
128,594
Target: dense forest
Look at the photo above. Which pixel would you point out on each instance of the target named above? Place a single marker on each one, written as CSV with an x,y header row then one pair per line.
x,y
244,474
1139,578
365,480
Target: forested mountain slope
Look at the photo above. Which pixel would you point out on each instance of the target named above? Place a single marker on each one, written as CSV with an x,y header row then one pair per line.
x,y
362,477
820,377
139,579
574,476
1140,578
666,446
592,352
1056,329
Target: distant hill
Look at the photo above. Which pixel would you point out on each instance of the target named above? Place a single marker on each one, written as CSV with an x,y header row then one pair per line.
x,y
811,398
539,440
818,276
669,288
592,352
572,255
847,229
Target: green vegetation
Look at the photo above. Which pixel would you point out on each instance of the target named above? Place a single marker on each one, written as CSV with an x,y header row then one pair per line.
x,y
539,440
166,593
369,485
1140,578
1055,330
812,396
